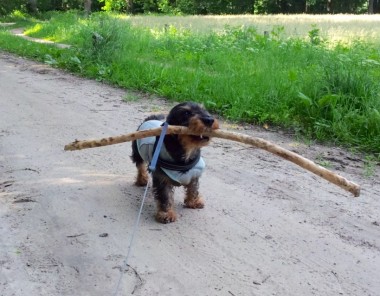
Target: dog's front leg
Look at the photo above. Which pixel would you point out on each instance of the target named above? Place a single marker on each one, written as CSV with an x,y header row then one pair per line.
x,y
193,199
163,193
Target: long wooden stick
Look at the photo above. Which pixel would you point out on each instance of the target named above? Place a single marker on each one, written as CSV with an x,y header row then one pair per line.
x,y
237,137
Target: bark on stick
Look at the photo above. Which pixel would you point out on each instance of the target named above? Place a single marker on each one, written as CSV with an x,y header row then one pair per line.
x,y
237,137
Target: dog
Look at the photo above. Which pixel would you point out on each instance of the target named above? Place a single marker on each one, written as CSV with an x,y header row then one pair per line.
x,y
179,163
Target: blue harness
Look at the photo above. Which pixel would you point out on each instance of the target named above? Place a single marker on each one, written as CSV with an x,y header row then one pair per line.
x,y
179,174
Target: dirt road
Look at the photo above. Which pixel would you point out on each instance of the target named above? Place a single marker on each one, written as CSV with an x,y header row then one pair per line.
x,y
268,228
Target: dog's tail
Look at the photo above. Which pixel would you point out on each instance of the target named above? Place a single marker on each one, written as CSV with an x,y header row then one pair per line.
x,y
160,117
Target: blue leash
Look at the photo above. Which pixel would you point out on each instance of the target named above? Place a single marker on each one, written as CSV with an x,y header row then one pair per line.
x,y
152,168
153,163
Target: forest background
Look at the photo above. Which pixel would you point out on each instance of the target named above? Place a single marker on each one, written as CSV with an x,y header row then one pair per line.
x,y
202,7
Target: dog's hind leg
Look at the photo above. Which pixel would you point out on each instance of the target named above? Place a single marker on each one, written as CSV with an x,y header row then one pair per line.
x,y
163,193
193,200
142,174
142,171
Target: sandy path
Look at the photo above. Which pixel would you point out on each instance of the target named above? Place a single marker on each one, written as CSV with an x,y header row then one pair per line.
x,y
268,228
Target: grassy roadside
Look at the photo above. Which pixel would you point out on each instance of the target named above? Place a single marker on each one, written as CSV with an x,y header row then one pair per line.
x,y
326,91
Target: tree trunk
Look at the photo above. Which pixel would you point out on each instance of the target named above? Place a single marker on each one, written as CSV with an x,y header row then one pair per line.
x,y
129,6
87,7
244,6
33,5
303,7
329,6
370,6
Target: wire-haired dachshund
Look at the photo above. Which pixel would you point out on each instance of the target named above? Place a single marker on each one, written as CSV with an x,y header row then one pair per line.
x,y
179,163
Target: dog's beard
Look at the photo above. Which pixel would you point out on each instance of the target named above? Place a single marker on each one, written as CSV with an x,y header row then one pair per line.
x,y
199,127
200,140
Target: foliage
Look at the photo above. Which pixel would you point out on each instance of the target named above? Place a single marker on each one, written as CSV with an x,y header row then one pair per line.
x,y
329,92
311,6
198,6
6,7
114,5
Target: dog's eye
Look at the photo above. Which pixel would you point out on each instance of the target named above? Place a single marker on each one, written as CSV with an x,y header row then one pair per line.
x,y
187,113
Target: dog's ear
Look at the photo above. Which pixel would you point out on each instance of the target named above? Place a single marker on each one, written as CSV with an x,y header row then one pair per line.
x,y
180,114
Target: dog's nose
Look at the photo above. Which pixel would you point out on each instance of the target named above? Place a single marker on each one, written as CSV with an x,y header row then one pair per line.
x,y
208,121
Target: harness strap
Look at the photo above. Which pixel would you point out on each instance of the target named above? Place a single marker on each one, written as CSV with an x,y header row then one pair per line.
x,y
157,148
158,161
178,167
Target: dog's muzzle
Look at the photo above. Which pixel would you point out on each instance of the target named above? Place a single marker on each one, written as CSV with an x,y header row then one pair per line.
x,y
208,121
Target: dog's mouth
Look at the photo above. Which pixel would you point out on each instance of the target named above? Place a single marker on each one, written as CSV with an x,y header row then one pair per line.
x,y
200,138
198,126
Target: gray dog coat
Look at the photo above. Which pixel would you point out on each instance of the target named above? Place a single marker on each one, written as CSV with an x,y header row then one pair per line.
x,y
145,147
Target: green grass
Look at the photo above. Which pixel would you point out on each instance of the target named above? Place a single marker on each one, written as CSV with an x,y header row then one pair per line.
x,y
328,91
370,163
341,27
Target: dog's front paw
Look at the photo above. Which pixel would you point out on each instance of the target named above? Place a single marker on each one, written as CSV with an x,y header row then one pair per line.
x,y
141,182
194,203
166,217
142,179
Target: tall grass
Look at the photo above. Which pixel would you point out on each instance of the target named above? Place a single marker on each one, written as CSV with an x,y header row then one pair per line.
x,y
335,28
327,91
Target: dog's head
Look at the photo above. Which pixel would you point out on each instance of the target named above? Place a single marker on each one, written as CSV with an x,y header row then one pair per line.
x,y
197,119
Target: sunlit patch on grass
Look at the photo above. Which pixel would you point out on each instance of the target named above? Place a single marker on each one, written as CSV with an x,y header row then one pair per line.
x,y
334,27
33,30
